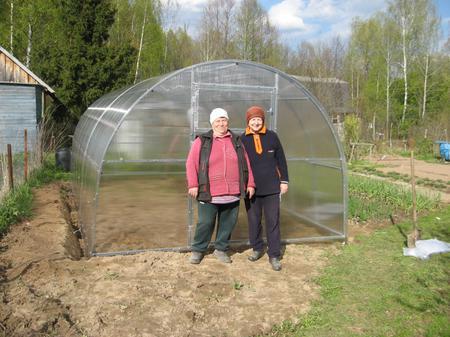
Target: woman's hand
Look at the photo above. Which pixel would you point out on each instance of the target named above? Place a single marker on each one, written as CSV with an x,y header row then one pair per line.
x,y
250,192
193,192
283,188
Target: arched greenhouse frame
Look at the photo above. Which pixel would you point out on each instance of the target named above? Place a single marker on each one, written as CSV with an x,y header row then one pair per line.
x,y
130,146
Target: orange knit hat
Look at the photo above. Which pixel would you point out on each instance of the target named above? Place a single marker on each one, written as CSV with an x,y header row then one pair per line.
x,y
255,111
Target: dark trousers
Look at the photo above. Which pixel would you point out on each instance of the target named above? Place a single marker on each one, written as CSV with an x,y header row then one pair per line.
x,y
226,214
271,206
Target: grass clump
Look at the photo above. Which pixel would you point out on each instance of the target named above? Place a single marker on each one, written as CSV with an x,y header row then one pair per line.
x,y
16,205
370,289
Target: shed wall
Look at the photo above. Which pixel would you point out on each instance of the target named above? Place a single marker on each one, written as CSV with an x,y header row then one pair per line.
x,y
20,109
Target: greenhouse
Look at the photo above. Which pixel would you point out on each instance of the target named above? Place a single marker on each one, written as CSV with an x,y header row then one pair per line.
x,y
130,146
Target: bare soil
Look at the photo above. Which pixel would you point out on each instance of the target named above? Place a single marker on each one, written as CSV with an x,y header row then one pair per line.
x,y
48,289
422,169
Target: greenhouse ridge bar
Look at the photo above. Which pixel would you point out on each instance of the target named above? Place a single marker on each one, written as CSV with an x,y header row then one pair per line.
x,y
130,147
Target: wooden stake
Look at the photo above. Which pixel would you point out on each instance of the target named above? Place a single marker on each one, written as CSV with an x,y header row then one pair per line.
x,y
10,167
415,235
25,154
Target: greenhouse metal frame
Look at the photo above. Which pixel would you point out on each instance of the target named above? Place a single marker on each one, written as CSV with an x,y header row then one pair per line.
x,y
130,146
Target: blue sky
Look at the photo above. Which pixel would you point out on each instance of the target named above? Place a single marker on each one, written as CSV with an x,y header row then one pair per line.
x,y
309,20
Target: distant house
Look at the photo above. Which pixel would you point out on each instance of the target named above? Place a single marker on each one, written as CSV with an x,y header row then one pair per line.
x,y
23,99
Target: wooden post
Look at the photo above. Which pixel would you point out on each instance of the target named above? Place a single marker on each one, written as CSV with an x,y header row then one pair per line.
x,y
415,235
10,167
413,187
25,154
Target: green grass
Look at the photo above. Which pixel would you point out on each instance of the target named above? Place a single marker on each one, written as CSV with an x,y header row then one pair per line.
x,y
16,205
370,289
371,199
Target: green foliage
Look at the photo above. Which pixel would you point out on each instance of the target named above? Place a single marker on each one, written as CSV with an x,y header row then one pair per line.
x,y
352,131
424,148
48,173
70,50
180,50
237,285
16,205
371,199
352,128
370,289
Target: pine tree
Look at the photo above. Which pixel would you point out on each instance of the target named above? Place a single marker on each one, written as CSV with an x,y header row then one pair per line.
x,y
74,56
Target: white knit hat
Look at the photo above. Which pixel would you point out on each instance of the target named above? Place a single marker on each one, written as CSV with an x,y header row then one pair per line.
x,y
217,113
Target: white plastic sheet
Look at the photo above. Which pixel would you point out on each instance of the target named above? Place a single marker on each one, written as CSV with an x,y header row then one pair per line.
x,y
425,248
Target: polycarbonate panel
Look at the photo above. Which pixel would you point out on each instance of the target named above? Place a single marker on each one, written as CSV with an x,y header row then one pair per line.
x,y
305,132
129,98
290,89
235,103
233,72
131,145
141,142
104,101
315,192
142,211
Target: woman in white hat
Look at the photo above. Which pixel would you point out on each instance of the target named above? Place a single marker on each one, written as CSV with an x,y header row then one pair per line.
x,y
218,175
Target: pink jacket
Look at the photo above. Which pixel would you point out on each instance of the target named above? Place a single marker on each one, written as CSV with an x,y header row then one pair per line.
x,y
223,167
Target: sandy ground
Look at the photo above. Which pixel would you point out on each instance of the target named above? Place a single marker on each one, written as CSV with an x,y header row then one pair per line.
x,y
422,169
47,288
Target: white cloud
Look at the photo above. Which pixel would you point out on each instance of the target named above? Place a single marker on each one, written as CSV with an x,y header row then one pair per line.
x,y
286,15
313,20
320,9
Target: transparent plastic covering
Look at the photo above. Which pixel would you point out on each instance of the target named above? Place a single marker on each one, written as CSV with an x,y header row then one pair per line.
x,y
130,147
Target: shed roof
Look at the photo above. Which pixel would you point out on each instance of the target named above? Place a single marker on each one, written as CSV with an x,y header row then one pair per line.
x,y
12,70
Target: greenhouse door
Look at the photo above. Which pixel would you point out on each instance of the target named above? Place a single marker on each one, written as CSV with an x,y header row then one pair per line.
x,y
235,99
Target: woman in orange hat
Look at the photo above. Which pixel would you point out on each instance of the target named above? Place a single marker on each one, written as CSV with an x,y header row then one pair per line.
x,y
270,172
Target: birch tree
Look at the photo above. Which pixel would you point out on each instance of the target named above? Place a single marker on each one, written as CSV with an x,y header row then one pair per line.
x,y
11,25
216,30
406,14
141,42
255,36
427,45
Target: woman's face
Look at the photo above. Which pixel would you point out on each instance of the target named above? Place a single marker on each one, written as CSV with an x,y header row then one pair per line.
x,y
255,124
220,126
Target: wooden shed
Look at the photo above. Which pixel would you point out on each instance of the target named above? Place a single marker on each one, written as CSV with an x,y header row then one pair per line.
x,y
24,97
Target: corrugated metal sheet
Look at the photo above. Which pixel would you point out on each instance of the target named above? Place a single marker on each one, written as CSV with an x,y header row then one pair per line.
x,y
19,109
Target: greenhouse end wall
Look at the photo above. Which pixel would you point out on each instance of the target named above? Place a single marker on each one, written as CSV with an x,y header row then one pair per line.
x,y
131,145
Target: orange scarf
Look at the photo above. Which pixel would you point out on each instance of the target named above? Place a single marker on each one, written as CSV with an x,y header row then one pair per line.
x,y
256,139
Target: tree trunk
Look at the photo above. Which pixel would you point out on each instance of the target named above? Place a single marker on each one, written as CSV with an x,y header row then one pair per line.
x,y
141,43
388,96
30,34
374,119
405,69
11,34
425,82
